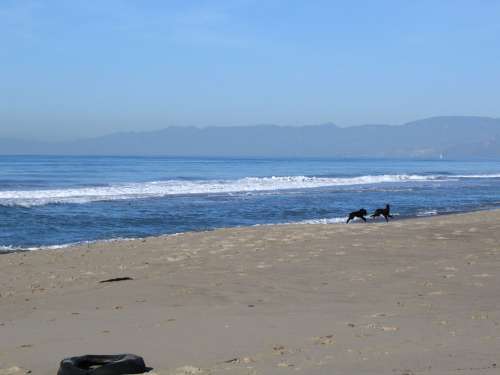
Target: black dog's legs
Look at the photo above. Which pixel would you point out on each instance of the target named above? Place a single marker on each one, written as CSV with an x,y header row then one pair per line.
x,y
353,217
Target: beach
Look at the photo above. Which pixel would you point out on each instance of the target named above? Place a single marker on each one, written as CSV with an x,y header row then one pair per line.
x,y
408,297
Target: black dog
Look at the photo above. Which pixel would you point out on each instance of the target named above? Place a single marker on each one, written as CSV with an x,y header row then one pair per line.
x,y
385,212
361,214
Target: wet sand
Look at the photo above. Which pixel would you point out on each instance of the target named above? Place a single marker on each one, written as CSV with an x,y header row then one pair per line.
x,y
408,297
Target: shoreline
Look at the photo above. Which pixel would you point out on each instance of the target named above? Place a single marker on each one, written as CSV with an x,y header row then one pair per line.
x,y
412,296
9,249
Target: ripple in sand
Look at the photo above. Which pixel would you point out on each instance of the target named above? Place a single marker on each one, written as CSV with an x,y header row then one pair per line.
x,y
436,293
324,340
14,370
263,266
187,370
285,364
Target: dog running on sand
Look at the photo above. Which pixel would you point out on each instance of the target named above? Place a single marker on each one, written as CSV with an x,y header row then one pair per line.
x,y
361,214
385,212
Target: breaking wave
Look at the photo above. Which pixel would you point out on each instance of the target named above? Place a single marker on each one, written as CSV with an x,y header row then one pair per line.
x,y
29,198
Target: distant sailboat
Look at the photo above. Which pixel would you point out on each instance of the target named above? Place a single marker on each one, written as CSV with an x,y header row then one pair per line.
x,y
441,156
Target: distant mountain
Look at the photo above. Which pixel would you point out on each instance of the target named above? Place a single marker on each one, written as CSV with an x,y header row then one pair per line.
x,y
16,147
451,137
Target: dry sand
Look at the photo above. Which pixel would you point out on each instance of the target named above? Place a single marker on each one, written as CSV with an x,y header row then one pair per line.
x,y
408,297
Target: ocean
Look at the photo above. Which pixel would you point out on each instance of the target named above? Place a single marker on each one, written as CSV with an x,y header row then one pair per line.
x,y
54,201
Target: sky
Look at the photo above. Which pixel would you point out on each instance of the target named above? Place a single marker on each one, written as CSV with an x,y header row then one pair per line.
x,y
81,68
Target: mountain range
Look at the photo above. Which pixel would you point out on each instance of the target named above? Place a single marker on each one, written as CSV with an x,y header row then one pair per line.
x,y
449,137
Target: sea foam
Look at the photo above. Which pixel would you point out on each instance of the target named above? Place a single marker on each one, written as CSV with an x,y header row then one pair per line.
x,y
28,198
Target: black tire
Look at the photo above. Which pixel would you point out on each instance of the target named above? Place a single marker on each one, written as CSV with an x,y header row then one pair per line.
x,y
118,364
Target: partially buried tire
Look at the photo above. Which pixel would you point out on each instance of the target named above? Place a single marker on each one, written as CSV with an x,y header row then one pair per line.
x,y
118,364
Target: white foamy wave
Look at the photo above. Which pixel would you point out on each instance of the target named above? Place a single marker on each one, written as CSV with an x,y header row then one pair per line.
x,y
28,198
10,248
427,213
7,249
333,220
477,176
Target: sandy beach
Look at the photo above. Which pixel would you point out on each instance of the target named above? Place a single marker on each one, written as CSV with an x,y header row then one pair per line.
x,y
409,297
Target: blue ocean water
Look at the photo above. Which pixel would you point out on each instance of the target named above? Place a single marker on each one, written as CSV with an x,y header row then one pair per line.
x,y
57,200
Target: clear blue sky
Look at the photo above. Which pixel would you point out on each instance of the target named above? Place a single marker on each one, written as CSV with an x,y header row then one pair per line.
x,y
87,67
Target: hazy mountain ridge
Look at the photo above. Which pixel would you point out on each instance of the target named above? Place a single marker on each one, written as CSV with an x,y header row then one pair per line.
x,y
452,137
